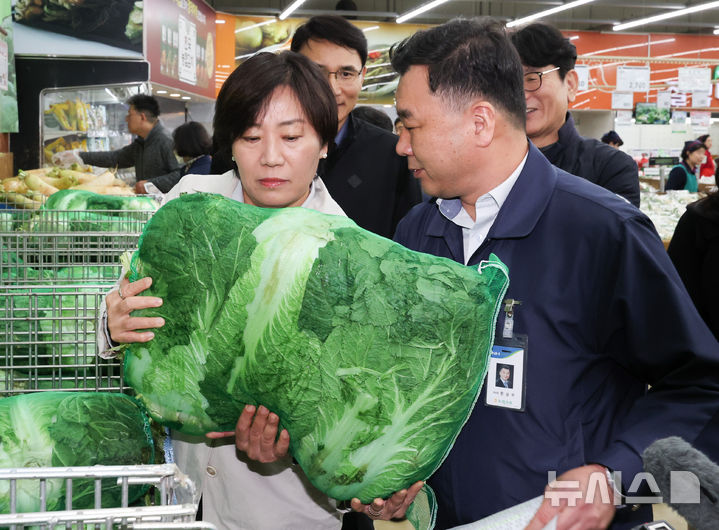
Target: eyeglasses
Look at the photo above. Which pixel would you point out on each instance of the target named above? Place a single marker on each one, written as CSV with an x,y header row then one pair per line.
x,y
533,80
343,77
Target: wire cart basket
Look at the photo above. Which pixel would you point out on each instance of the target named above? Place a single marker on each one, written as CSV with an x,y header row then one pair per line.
x,y
55,268
176,508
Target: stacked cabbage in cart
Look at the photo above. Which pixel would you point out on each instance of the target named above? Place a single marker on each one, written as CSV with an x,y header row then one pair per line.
x,y
56,263
372,355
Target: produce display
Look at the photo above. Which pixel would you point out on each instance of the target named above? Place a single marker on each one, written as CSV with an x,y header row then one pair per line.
x,y
64,429
665,209
31,188
371,354
69,115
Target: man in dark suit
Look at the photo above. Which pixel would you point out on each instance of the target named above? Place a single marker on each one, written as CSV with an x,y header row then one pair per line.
x,y
504,377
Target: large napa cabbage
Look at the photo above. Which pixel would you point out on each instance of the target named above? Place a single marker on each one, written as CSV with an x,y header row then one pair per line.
x,y
372,355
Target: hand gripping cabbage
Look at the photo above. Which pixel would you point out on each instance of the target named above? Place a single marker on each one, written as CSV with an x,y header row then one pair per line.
x,y
372,355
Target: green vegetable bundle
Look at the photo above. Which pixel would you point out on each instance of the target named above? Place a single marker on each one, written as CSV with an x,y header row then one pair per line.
x,y
61,429
372,355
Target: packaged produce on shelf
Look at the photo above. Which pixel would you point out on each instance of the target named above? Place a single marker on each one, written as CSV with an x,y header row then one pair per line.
x,y
68,116
63,143
31,188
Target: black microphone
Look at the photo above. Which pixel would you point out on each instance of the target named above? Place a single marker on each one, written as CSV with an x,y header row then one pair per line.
x,y
668,460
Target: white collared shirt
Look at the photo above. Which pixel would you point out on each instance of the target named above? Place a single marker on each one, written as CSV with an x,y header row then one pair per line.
x,y
487,207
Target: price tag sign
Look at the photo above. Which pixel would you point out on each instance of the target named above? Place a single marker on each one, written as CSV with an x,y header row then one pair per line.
x,y
187,68
583,75
701,99
701,120
624,117
664,100
633,79
622,100
691,79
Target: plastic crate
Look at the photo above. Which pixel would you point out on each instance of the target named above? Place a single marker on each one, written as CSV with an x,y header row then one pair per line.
x,y
176,509
66,246
48,340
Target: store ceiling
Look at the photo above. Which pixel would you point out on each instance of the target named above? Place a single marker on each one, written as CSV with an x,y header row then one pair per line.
x,y
599,15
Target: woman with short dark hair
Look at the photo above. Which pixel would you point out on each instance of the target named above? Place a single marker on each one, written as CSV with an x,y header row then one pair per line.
x,y
274,117
683,176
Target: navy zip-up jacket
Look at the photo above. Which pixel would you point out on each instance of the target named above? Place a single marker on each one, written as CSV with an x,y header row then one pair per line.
x,y
605,313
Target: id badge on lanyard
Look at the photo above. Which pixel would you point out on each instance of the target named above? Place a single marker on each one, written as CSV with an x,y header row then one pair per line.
x,y
506,377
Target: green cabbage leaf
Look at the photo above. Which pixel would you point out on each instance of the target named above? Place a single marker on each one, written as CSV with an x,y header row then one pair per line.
x,y
63,429
371,354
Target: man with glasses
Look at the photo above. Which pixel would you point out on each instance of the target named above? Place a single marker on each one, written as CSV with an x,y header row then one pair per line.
x,y
362,171
550,84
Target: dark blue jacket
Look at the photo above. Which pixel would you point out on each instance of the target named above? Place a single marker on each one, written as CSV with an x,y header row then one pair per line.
x,y
605,314
595,161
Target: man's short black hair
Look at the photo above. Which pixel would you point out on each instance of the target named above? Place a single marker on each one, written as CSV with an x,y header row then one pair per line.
x,y
467,59
373,116
191,139
334,29
145,104
245,94
540,45
612,137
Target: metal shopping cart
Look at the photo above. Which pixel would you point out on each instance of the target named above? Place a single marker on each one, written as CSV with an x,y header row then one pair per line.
x,y
55,268
176,505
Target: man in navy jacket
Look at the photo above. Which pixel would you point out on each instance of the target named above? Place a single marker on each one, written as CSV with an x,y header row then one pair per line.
x,y
602,308
551,85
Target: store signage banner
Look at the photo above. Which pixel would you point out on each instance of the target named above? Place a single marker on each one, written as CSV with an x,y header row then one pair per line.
x,y
691,79
633,79
583,76
622,100
44,25
180,45
8,92
241,37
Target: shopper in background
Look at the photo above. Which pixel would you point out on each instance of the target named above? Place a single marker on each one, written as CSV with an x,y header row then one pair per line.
x,y
684,176
398,127
193,144
613,139
374,116
151,152
708,166
600,303
550,85
275,116
694,249
362,171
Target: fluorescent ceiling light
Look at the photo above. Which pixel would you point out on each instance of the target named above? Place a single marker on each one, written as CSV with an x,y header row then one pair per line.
x,y
186,97
664,16
220,21
263,23
716,31
574,37
371,28
287,12
552,11
174,95
418,11
161,92
647,43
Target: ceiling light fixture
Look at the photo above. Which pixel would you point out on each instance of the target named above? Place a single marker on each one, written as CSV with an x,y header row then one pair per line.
x,y
220,21
716,30
648,43
664,16
542,14
287,12
371,28
418,11
263,23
